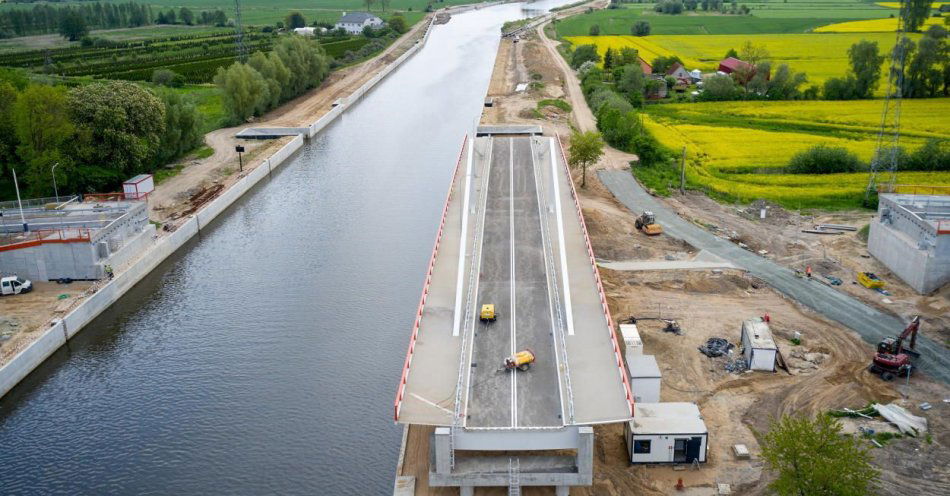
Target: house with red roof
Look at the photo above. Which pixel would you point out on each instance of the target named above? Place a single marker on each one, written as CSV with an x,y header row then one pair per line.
x,y
733,64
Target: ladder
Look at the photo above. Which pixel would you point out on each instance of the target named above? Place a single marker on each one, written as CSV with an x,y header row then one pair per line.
x,y
514,477
452,442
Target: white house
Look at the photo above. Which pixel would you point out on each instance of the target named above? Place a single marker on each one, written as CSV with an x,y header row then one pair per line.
x,y
666,433
354,22
644,378
758,347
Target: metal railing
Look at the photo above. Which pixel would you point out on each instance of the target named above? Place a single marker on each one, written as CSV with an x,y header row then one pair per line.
x,y
44,236
912,189
113,197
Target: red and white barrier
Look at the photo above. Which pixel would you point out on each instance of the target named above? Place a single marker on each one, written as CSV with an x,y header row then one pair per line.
x,y
401,389
600,288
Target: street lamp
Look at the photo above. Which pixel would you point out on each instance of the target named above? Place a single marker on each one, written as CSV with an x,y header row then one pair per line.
x,y
53,172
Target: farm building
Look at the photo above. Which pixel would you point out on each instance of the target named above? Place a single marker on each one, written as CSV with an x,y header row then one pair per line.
x,y
645,378
911,236
647,68
732,64
679,72
758,347
355,22
666,433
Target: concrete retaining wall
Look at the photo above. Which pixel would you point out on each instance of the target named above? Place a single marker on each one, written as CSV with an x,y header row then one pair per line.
x,y
30,358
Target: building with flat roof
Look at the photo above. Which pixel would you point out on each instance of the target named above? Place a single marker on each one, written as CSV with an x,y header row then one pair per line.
x,y
66,238
666,433
911,236
645,378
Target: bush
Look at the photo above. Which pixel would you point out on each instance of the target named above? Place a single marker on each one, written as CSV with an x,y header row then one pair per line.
x,y
824,159
933,156
640,28
582,54
595,30
669,7
166,77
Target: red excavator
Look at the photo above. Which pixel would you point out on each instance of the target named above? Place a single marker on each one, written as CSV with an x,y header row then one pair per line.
x,y
892,358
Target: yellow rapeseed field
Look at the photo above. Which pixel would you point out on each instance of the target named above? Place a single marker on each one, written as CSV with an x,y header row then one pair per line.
x,y
732,147
897,5
819,55
872,26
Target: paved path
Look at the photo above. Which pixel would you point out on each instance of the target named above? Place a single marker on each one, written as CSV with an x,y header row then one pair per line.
x,y
665,265
869,322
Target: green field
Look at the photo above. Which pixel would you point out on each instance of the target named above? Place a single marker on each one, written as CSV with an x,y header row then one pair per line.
x,y
792,17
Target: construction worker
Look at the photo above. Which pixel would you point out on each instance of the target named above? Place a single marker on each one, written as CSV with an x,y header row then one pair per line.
x,y
808,271
108,269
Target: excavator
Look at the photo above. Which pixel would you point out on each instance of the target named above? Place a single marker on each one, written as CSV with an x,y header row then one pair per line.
x,y
893,359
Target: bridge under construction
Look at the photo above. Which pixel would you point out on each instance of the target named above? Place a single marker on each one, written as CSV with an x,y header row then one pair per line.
x,y
512,236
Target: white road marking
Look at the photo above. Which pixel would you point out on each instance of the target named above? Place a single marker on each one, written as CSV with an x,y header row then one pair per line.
x,y
568,312
511,224
462,243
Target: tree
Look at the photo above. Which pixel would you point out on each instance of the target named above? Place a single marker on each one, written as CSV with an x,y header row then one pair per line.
x,y
608,59
182,127
628,55
640,28
785,84
586,148
398,24
167,77
295,20
73,26
8,140
369,4
187,16
915,13
928,69
732,53
42,127
632,83
582,54
306,61
718,88
244,90
219,18
594,30
274,72
119,124
814,457
865,67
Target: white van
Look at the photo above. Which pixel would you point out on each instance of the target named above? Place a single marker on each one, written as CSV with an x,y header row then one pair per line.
x,y
12,285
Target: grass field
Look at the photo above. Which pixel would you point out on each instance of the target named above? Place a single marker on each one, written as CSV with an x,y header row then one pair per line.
x,y
737,150
820,56
793,17
873,25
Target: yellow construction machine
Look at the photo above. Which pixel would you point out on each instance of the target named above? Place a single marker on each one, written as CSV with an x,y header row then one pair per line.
x,y
521,360
646,222
488,313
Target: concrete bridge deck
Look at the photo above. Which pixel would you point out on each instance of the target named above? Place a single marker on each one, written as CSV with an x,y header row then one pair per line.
x,y
512,236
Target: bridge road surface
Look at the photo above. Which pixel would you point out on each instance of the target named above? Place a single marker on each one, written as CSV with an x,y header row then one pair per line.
x,y
513,275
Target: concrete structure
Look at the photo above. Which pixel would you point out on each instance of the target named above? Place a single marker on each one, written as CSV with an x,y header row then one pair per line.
x,y
758,347
911,236
74,240
355,22
632,344
512,235
645,378
667,433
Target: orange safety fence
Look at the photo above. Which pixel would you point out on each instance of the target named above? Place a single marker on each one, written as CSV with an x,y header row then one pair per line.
x,y
45,236
943,227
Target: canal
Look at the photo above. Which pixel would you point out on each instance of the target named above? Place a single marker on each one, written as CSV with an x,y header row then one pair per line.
x,y
263,358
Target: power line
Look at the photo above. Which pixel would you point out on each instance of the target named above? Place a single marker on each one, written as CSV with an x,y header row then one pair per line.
x,y
239,45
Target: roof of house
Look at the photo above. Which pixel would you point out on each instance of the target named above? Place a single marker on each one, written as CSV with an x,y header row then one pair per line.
x,y
647,68
674,67
667,418
643,367
357,17
733,64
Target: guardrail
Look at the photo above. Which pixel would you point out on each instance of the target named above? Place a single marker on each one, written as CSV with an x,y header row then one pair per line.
x,y
600,287
401,389
113,197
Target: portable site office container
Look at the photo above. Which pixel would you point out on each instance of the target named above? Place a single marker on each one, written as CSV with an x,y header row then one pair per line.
x,y
758,347
138,187
645,378
666,433
632,343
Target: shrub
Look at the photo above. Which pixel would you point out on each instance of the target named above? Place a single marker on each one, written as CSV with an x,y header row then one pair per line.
x,y
582,54
934,155
640,28
824,159
166,77
595,30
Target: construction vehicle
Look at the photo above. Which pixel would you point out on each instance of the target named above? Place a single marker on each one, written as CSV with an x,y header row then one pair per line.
x,y
646,222
892,359
521,360
13,285
870,280
488,313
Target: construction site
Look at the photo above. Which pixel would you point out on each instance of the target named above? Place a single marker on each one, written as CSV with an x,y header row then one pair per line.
x,y
712,350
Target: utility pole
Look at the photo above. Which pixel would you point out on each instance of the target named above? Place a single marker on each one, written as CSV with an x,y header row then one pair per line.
x,y
26,227
683,172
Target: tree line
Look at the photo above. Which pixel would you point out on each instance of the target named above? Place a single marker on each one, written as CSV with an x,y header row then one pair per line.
x,y
45,18
251,88
100,134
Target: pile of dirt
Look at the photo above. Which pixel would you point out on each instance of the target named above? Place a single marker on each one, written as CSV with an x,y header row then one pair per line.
x,y
774,213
